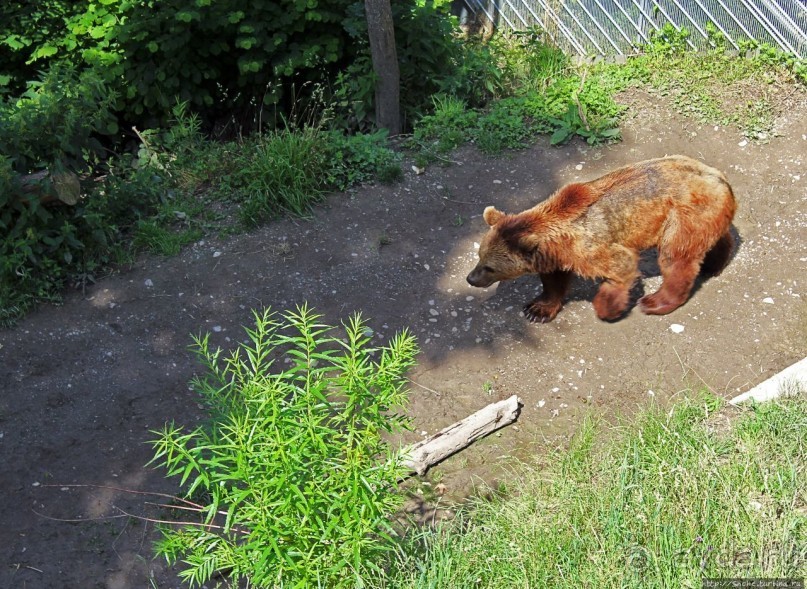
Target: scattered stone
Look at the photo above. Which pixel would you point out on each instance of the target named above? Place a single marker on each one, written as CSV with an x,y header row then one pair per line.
x,y
541,403
676,328
216,254
434,312
578,167
217,328
743,143
767,300
149,283
417,170
497,181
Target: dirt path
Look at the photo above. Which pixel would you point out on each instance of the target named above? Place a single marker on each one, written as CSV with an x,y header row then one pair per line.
x,y
82,384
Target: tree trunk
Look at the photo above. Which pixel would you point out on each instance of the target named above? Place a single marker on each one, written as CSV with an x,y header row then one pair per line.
x,y
385,65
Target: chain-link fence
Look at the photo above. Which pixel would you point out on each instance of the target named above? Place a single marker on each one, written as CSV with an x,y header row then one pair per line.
x,y
618,27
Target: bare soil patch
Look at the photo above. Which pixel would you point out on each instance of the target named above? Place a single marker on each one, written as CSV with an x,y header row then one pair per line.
x,y
81,384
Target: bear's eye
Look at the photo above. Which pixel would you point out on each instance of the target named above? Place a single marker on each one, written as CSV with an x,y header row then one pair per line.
x,y
487,269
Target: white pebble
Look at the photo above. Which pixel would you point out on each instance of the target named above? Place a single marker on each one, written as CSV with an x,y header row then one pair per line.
x,y
767,300
676,328
216,254
149,283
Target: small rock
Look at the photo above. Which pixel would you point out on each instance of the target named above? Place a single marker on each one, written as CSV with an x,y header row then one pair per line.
x,y
216,254
676,328
417,170
426,267
497,181
767,300
743,143
541,403
217,328
578,167
149,283
434,312
469,298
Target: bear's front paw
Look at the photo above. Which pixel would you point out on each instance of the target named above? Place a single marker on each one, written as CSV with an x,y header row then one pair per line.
x,y
610,302
657,304
542,311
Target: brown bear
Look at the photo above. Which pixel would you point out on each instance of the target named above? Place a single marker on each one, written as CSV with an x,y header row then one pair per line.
x,y
597,229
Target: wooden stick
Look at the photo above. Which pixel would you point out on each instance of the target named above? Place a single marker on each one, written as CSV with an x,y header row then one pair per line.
x,y
419,457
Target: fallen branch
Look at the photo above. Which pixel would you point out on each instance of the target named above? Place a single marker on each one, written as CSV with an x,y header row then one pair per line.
x,y
419,457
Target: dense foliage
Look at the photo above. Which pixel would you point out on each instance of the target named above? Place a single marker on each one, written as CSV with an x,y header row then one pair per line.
x,y
228,60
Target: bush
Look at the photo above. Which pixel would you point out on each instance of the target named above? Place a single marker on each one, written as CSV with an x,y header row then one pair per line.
x,y
53,127
291,477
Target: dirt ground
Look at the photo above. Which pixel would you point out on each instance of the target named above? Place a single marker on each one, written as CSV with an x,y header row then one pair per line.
x,y
83,383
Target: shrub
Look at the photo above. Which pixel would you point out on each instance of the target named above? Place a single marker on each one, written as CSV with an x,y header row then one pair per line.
x,y
291,477
53,127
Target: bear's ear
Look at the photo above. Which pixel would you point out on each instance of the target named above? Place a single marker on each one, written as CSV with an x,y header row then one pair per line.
x,y
492,216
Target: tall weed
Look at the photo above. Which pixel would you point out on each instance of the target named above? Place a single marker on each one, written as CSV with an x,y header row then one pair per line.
x,y
292,479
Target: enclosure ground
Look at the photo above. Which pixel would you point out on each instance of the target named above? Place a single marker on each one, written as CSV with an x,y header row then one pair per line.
x,y
83,383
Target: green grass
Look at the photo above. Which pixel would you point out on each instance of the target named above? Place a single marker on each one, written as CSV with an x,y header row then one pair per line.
x,y
664,502
714,87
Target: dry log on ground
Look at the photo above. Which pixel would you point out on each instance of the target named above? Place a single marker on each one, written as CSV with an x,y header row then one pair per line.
x,y
419,457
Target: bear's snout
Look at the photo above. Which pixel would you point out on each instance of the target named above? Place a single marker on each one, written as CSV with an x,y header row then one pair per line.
x,y
478,279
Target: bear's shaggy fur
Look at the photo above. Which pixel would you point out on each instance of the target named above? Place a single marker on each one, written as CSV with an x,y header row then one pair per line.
x,y
597,229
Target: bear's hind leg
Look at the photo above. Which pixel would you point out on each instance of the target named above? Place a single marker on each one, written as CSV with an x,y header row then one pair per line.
x,y
718,257
546,307
678,277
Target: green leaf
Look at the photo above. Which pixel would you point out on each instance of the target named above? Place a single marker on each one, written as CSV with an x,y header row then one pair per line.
x,y
560,135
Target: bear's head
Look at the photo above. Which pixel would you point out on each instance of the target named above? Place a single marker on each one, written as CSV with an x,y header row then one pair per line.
x,y
502,255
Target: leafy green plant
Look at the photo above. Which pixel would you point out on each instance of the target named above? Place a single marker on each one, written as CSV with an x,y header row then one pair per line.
x,y
354,159
668,40
448,126
292,478
575,122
